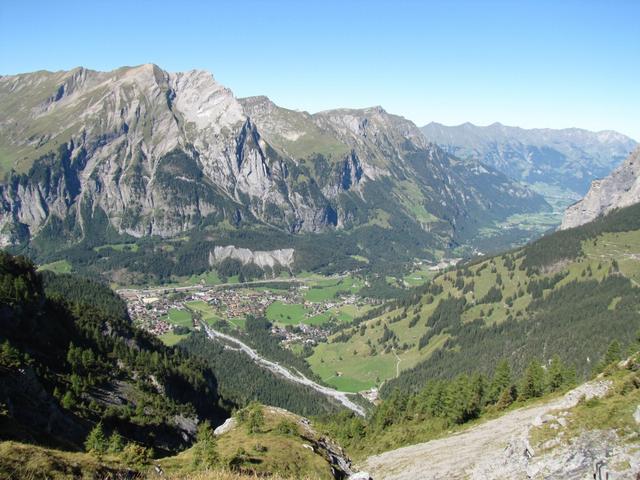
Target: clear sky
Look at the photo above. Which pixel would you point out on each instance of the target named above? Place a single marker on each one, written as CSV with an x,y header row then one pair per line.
x,y
539,63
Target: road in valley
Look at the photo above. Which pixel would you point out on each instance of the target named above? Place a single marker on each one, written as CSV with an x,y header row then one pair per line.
x,y
281,371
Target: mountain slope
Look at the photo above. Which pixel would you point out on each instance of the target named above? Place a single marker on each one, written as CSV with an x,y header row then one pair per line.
x,y
107,157
520,305
71,358
556,162
620,188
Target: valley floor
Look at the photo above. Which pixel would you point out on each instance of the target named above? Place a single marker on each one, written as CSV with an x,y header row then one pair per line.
x,y
500,448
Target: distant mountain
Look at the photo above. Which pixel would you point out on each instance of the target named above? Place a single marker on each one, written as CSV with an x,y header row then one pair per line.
x,y
566,159
619,189
140,152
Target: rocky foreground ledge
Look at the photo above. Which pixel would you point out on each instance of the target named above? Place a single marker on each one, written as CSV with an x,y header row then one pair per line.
x,y
500,449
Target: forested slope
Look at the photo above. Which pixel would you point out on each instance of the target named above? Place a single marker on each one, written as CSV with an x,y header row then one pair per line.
x,y
570,294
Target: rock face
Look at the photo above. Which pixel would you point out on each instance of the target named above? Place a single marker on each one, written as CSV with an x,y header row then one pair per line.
x,y
139,151
500,448
620,189
566,159
282,257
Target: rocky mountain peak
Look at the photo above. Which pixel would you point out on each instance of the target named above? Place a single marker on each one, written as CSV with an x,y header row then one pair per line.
x,y
205,102
372,124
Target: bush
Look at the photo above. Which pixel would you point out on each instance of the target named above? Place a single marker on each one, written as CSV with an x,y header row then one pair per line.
x,y
136,456
287,427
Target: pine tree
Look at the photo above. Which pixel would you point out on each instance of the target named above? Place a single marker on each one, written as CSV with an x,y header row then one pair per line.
x,y
555,374
613,354
506,398
205,453
478,394
501,380
116,443
96,441
68,400
458,396
533,381
255,422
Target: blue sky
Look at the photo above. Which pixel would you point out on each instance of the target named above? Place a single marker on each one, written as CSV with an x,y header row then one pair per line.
x,y
527,63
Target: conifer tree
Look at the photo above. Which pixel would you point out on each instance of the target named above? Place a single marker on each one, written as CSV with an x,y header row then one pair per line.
x,y
96,441
501,380
555,374
506,398
116,443
533,381
255,420
613,354
205,453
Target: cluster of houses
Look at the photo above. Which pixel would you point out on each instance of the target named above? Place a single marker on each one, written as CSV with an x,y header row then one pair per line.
x,y
148,311
302,333
150,308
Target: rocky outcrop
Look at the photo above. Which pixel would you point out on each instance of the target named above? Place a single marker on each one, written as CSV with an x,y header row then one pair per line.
x,y
620,189
282,257
500,448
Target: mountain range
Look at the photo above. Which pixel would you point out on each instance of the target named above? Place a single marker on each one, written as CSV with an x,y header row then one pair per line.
x,y
559,164
139,152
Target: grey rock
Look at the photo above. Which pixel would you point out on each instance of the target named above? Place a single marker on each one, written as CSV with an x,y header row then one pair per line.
x,y
229,424
271,258
620,189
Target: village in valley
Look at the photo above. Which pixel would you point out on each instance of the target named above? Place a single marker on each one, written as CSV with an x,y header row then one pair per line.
x,y
299,313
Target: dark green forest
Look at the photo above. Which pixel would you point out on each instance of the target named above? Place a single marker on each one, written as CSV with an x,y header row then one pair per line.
x,y
87,363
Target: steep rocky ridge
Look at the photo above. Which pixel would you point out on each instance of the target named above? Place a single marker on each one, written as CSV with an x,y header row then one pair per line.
x,y
389,150
619,189
139,151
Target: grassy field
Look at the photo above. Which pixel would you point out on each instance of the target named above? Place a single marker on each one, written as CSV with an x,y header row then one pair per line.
x,y
206,311
323,290
239,322
623,246
286,313
267,453
31,462
170,338
180,318
419,276
61,266
119,247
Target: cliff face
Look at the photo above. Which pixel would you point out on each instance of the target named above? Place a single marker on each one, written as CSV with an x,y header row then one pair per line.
x,y
620,189
139,151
